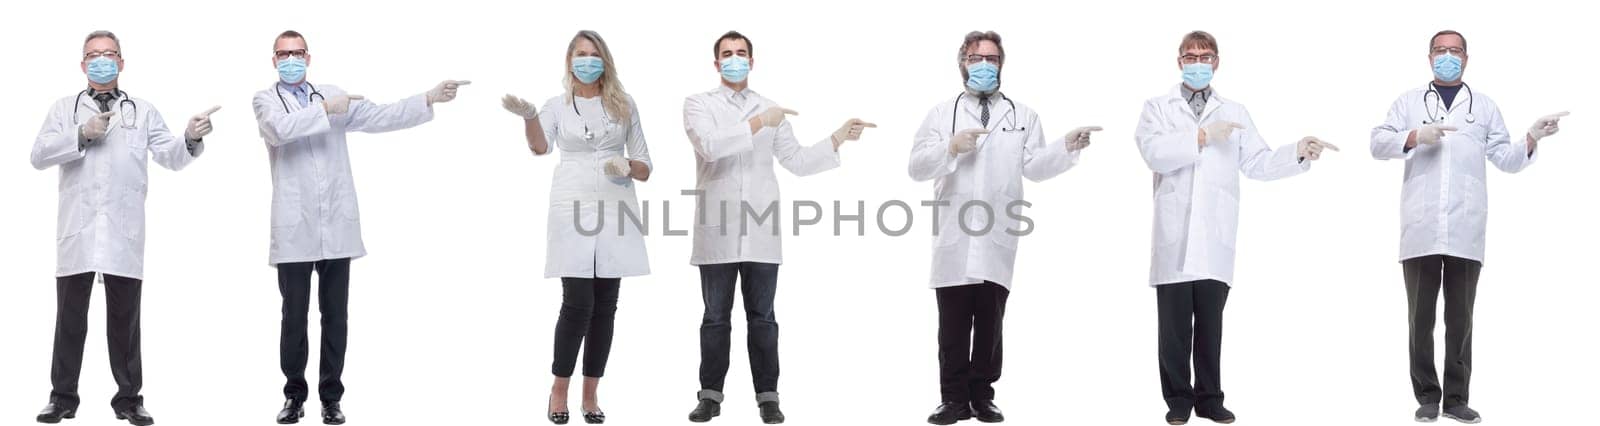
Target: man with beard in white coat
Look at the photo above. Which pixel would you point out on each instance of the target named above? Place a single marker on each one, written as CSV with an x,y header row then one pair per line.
x,y
737,133
101,140
1197,143
977,148
1445,131
316,226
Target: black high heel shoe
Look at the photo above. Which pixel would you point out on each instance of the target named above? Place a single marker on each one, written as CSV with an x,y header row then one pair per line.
x,y
594,417
557,417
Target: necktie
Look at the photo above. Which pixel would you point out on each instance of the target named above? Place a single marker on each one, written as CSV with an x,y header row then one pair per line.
x,y
104,99
984,102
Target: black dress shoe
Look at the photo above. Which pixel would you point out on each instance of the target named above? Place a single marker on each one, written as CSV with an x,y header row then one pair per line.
x,y
987,412
1178,417
770,414
136,415
1219,414
292,412
949,413
331,414
705,410
53,413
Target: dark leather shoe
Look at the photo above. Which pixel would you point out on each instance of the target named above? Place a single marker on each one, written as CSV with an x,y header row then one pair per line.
x,y
949,413
292,412
53,413
136,415
704,411
1219,414
770,414
1178,417
331,414
987,412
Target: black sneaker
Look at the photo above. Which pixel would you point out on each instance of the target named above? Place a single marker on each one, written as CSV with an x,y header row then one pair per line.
x,y
1428,413
1462,413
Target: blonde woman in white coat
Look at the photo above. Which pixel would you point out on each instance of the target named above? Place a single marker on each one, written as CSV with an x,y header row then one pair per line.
x,y
595,124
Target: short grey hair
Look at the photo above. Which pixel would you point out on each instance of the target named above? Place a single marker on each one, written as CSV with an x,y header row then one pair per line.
x,y
103,34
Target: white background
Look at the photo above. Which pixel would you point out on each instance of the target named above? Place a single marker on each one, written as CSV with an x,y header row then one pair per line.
x,y
451,320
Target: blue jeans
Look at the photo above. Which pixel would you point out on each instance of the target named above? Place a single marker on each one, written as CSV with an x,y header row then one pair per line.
x,y
716,288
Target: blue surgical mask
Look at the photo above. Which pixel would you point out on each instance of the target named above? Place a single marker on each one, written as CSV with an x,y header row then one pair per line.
x,y
735,68
102,70
588,68
1447,67
292,70
1197,75
983,77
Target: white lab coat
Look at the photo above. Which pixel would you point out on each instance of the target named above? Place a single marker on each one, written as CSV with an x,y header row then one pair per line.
x,y
617,250
1444,199
1197,190
735,167
314,212
1015,148
100,210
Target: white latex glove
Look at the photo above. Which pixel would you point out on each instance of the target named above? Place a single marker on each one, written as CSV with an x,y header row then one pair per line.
x,y
850,131
96,127
1310,148
966,140
1432,133
1078,138
445,91
519,107
618,167
1219,131
1546,126
774,116
200,124
340,104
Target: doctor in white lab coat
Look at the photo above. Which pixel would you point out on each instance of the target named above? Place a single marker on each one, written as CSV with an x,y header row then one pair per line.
x,y
316,226
595,125
1445,131
977,148
101,139
1197,143
738,135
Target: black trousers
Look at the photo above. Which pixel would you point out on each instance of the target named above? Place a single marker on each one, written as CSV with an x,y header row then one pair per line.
x,y
333,300
1190,322
761,321
122,338
971,318
1458,277
588,317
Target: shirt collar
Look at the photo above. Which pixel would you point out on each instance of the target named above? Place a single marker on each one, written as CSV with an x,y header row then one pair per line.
x,y
728,92
293,88
1189,94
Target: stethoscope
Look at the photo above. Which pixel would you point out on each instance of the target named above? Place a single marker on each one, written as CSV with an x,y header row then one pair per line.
x,y
310,98
1431,108
1011,115
588,135
122,107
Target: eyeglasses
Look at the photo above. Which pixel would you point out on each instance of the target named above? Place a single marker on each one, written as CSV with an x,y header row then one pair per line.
x,y
1203,59
1440,50
286,54
973,59
102,54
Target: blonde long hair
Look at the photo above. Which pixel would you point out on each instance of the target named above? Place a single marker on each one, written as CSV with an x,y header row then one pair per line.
x,y
612,96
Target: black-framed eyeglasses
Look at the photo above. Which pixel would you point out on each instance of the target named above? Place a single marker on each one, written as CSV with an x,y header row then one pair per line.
x,y
1198,59
286,54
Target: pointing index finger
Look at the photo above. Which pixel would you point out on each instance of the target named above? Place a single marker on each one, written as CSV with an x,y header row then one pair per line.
x,y
211,110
